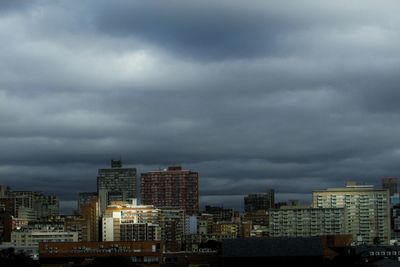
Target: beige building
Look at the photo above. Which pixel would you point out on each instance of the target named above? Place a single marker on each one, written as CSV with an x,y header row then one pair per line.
x,y
366,210
299,221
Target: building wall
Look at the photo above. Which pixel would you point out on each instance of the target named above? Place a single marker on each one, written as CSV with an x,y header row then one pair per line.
x,y
108,229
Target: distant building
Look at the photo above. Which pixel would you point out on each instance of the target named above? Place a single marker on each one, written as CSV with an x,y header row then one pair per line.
x,y
35,205
220,213
259,217
281,204
293,202
297,221
260,201
366,210
115,184
234,229
392,184
172,187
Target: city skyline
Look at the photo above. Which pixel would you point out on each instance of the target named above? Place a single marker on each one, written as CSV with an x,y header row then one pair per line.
x,y
272,94
240,205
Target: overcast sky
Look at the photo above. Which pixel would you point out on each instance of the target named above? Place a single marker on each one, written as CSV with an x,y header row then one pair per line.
x,y
290,95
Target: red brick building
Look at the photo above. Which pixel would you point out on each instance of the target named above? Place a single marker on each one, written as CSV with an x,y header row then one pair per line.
x,y
172,187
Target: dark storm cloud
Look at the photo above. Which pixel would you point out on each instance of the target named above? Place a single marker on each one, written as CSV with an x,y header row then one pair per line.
x,y
194,29
268,94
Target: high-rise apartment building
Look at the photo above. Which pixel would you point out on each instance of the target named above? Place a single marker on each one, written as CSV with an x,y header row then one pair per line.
x,y
298,221
260,201
172,187
115,184
366,210
392,184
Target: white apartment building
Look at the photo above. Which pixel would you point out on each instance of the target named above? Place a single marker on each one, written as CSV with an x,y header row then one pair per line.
x,y
366,209
300,221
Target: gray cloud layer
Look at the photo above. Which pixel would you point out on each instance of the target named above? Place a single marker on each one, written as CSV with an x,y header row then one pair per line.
x,y
289,95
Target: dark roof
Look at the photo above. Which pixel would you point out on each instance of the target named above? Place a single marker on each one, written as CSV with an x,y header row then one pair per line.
x,y
272,247
385,263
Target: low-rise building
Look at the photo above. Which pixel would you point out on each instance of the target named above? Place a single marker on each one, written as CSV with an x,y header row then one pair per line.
x,y
143,253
